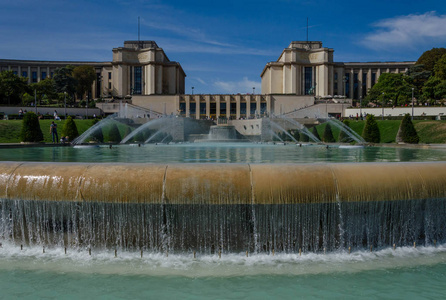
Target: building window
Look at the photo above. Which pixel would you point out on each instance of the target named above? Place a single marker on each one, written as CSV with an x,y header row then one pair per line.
x,y
137,80
262,108
308,80
347,85
222,108
34,78
183,108
243,108
109,85
192,108
109,75
43,76
233,109
24,74
253,108
336,76
203,108
355,85
373,79
364,84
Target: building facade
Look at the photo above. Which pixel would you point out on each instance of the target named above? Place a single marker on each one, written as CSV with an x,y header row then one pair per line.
x,y
308,68
304,74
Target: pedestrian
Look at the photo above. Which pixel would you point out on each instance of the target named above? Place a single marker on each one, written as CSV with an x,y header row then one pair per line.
x,y
53,131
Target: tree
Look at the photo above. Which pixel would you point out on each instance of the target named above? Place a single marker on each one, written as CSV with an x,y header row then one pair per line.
x,y
343,136
407,132
315,133
64,81
430,87
397,88
328,134
85,76
70,129
45,89
12,87
440,68
429,58
371,131
31,131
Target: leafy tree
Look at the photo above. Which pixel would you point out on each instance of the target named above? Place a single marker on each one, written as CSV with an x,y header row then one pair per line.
x,y
418,76
429,88
70,129
114,135
84,76
12,87
328,134
371,131
407,131
343,136
397,89
296,135
315,133
64,81
429,58
440,68
45,90
31,131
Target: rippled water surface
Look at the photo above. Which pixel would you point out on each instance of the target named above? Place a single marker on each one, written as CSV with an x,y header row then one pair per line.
x,y
223,153
394,274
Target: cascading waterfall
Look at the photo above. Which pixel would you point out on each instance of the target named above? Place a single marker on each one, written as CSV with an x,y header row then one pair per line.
x,y
231,207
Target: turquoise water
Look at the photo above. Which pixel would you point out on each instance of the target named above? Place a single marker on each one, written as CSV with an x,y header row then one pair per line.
x,y
222,153
403,273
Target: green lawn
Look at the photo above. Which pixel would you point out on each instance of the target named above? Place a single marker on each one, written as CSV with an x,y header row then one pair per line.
x,y
10,129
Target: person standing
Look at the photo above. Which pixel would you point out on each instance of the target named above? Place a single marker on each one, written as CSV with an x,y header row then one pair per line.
x,y
53,131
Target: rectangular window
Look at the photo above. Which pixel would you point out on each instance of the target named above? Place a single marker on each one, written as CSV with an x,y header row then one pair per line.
x,y
364,84
24,74
192,108
355,86
109,75
233,109
203,108
253,108
43,76
262,108
243,109
373,79
109,85
213,108
137,80
347,85
222,108
183,108
34,78
336,76
308,81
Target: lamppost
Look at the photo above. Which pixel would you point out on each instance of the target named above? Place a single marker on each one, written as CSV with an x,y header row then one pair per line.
x,y
344,79
192,90
412,104
253,90
382,116
65,104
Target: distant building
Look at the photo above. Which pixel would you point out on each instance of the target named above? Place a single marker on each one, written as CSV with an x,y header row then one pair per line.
x,y
304,74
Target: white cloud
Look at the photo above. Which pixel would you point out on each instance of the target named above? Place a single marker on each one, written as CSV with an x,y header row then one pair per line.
x,y
407,31
233,87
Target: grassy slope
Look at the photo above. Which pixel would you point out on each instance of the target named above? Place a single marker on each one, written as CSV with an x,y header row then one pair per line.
x,y
429,131
10,130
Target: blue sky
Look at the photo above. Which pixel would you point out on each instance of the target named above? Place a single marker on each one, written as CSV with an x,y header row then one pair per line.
x,y
223,46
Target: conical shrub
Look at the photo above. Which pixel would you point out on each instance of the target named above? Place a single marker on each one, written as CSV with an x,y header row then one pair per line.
x,y
371,131
343,136
328,134
407,131
315,133
70,129
31,131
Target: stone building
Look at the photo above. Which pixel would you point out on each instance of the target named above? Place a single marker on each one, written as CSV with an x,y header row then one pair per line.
x,y
304,75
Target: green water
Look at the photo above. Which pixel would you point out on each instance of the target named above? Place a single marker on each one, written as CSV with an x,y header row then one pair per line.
x,y
405,273
222,153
